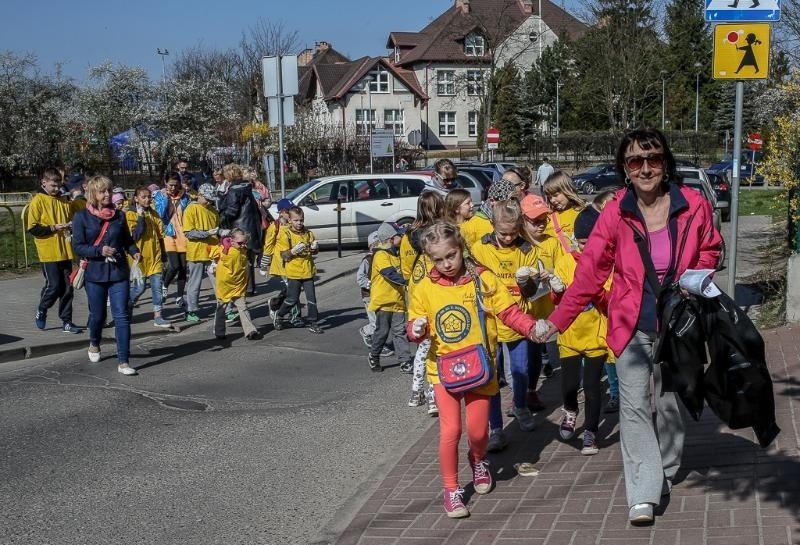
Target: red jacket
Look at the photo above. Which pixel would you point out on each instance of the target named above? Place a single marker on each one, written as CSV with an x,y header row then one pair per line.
x,y
611,247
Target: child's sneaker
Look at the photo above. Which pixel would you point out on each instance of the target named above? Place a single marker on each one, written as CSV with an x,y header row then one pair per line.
x,y
433,410
159,321
315,328
364,337
497,440
69,327
567,428
40,320
386,351
612,406
481,478
374,363
190,317
525,419
231,317
589,444
454,503
164,293
278,323
179,302
417,399
407,367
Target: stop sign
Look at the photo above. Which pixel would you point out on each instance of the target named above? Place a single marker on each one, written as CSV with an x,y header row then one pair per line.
x,y
492,136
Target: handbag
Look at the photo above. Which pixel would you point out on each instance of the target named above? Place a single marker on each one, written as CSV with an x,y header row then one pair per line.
x,y
78,274
469,367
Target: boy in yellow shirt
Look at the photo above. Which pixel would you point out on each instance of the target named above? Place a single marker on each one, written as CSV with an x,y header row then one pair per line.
x,y
148,234
50,224
296,247
231,267
388,299
201,225
273,266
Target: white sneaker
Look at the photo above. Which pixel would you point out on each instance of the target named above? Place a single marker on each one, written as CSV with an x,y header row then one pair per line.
x,y
94,357
125,369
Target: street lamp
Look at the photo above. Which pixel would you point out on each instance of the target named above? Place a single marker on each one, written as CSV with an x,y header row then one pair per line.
x,y
163,52
697,67
557,73
663,99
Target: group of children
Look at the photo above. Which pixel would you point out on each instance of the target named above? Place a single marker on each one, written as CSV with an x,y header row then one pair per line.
x,y
458,278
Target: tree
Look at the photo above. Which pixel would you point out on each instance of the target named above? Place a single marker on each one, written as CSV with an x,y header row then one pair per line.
x,y
506,120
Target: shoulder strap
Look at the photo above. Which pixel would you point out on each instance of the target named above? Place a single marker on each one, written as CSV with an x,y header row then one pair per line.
x,y
103,230
560,234
481,315
647,260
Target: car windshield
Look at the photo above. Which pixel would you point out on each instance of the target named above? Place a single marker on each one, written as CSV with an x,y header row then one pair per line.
x,y
299,191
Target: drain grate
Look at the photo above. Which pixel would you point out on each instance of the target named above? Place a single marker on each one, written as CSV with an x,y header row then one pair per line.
x,y
184,404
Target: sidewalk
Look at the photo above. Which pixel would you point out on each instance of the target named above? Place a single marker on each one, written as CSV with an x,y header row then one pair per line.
x,y
729,490
20,339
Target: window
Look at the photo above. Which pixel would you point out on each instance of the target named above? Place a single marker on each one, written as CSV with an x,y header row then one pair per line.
x,y
364,118
474,82
396,54
380,81
366,190
406,187
393,119
447,123
328,193
474,45
472,123
446,82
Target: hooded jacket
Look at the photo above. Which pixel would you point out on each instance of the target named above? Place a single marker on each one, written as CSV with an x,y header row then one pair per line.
x,y
612,249
238,208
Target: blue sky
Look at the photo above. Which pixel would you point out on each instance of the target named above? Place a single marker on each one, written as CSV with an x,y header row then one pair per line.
x,y
80,33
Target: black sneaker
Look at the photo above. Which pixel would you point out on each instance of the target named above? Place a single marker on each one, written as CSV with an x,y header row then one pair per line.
x,y
278,323
407,367
315,328
374,363
69,327
40,320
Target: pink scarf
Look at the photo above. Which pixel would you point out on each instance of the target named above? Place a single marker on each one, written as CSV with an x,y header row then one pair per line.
x,y
106,213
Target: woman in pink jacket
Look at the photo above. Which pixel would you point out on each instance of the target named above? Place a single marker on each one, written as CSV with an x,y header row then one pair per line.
x,y
657,208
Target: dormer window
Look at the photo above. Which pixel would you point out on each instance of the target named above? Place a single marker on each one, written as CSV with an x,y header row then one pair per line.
x,y
379,80
474,45
396,54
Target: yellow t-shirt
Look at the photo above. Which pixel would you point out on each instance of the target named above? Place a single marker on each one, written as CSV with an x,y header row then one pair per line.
x,y
297,267
232,271
453,321
566,220
45,210
385,295
200,218
407,256
150,242
587,334
475,228
273,232
504,262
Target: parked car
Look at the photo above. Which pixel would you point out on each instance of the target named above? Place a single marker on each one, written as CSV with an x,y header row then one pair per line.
x,y
598,178
477,185
746,170
723,190
367,201
501,166
696,179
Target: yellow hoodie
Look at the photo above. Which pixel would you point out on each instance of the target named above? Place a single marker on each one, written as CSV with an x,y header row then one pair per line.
x,y
232,271
47,211
198,217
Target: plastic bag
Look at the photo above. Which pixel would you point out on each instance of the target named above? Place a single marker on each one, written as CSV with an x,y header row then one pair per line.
x,y
137,277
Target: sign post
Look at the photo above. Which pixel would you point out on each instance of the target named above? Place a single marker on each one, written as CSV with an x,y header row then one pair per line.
x,y
492,140
280,83
741,51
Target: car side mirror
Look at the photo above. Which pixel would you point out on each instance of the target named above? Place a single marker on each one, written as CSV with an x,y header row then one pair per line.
x,y
308,202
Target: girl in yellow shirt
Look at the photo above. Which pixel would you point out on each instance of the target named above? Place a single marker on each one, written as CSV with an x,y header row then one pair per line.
x,y
560,196
272,264
444,308
231,268
201,225
458,210
297,247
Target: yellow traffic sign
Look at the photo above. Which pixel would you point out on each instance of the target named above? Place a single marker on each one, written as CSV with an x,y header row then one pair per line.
x,y
741,51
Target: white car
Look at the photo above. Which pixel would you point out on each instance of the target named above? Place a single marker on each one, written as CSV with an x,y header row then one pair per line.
x,y
367,200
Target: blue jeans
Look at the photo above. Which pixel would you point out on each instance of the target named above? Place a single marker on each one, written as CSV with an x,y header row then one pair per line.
x,y
118,292
516,360
155,290
613,381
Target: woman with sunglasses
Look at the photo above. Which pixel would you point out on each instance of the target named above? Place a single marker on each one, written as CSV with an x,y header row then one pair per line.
x,y
656,208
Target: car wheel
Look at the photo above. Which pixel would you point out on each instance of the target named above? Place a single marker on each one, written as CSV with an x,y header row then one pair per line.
x,y
588,188
726,216
405,222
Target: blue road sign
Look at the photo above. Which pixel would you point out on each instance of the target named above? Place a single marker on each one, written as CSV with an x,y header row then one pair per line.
x,y
751,11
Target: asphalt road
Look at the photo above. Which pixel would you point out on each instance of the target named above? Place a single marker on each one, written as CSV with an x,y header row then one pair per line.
x,y
267,442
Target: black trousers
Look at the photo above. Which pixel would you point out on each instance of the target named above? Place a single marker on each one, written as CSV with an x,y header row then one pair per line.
x,y
592,368
57,287
176,268
293,298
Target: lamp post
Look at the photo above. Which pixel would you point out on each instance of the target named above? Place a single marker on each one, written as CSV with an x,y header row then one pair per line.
x,y
697,67
163,53
557,73
369,117
663,99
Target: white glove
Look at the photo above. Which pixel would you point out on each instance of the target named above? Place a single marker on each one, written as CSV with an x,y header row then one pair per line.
x,y
213,231
314,246
557,285
212,268
523,274
224,232
419,326
299,248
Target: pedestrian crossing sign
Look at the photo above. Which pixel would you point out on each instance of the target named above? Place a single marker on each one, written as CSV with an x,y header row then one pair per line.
x,y
741,51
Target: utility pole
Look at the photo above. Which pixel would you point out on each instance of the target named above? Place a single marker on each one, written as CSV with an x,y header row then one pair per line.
x,y
163,53
663,99
697,67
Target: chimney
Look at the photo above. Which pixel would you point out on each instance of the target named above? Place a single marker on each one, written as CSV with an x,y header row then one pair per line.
x,y
305,56
526,6
462,6
321,47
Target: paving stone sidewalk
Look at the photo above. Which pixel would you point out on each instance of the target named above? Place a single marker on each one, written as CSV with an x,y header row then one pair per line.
x,y
20,339
729,490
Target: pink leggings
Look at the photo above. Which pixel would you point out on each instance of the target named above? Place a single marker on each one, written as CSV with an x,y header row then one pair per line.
x,y
449,405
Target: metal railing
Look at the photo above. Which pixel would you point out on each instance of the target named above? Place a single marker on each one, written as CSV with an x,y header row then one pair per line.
x,y
15,199
13,233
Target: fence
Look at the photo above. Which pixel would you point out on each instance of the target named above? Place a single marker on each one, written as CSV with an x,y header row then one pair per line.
x,y
9,250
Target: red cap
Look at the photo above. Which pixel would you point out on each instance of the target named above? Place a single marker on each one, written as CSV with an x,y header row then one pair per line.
x,y
534,206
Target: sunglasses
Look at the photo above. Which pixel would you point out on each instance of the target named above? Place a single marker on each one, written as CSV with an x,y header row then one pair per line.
x,y
636,162
515,184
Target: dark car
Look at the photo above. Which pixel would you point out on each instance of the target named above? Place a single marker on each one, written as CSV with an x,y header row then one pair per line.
x,y
598,178
723,190
746,175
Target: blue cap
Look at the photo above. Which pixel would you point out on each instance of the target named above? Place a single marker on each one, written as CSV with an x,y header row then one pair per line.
x,y
284,204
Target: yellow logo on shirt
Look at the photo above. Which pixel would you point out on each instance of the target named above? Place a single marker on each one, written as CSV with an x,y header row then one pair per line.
x,y
419,271
453,323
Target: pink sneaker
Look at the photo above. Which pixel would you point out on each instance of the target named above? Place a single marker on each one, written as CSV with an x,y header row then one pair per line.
x,y
481,478
453,503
